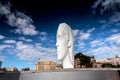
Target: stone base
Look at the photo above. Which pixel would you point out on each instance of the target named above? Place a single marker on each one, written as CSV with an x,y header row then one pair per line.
x,y
71,75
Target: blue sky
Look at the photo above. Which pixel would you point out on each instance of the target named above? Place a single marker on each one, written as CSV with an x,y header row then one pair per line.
x,y
29,33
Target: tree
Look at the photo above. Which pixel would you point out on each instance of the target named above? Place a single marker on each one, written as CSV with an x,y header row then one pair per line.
x,y
15,69
118,66
25,69
108,65
84,60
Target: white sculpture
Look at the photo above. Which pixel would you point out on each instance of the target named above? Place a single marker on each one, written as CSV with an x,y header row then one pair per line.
x,y
65,45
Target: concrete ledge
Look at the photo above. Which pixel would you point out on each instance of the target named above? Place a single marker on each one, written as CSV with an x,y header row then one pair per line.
x,y
64,74
72,74
80,69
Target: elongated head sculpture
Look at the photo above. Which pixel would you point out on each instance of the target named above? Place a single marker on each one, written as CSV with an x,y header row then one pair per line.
x,y
65,45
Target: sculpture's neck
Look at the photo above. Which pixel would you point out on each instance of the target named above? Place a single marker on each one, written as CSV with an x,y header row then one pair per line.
x,y
67,63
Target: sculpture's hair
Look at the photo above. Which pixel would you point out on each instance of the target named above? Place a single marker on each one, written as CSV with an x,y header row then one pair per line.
x,y
68,33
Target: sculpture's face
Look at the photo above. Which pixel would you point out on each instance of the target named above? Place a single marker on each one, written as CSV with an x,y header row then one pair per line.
x,y
62,45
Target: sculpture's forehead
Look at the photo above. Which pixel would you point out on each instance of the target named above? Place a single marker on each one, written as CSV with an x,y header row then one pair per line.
x,y
60,30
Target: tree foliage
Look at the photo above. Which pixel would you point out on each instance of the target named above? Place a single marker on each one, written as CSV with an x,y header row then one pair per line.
x,y
25,69
108,65
84,60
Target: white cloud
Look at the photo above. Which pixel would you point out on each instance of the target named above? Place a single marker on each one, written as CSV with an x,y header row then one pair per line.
x,y
24,39
3,58
114,30
102,21
9,41
26,52
43,36
95,5
85,35
118,43
104,52
75,32
91,30
2,37
48,53
3,46
23,23
4,9
101,50
114,39
106,5
80,36
81,44
32,52
43,33
105,48
96,43
115,18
